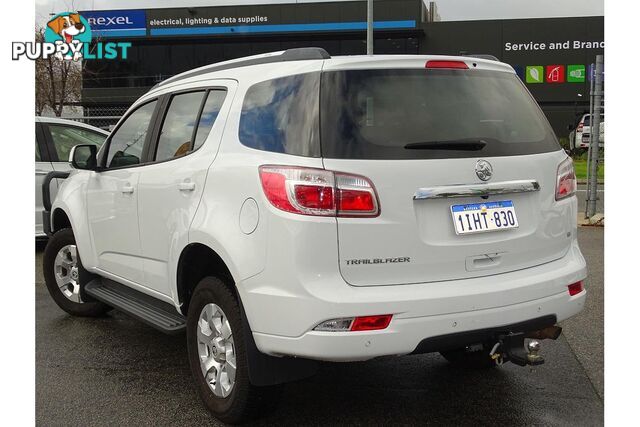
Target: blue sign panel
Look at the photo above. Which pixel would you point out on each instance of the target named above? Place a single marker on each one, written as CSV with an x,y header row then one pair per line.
x,y
278,28
117,23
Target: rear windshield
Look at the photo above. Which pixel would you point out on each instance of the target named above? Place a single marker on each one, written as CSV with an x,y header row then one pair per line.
x,y
406,114
587,120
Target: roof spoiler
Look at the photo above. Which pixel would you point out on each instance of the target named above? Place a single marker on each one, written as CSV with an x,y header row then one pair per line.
x,y
484,56
297,54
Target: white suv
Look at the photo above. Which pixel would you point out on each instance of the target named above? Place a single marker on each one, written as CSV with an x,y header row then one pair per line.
x,y
583,131
292,207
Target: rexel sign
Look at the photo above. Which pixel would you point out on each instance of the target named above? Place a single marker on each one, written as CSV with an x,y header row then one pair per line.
x,y
117,23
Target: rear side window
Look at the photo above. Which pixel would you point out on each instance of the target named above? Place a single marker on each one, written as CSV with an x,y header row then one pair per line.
x,y
189,119
179,125
424,114
210,112
127,142
281,116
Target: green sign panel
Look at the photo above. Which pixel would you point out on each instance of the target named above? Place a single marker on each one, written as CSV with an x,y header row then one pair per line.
x,y
534,74
576,73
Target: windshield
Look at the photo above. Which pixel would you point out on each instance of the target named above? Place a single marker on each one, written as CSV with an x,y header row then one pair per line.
x,y
415,113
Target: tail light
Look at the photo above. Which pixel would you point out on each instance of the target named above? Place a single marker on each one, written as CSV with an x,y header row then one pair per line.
x,y
566,184
355,324
319,192
580,126
575,288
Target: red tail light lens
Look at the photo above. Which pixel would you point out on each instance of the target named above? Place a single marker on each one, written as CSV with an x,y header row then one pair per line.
x,y
566,183
371,323
575,288
314,196
580,126
310,191
356,196
461,65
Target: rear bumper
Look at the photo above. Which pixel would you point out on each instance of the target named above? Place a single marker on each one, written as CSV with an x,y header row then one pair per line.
x,y
408,335
282,321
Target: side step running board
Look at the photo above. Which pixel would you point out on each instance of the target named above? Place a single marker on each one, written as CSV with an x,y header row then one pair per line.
x,y
158,314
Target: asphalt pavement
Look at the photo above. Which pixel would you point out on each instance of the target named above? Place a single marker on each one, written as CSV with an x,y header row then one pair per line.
x,y
117,371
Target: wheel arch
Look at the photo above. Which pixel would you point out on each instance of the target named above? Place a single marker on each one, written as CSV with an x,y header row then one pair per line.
x,y
59,220
195,262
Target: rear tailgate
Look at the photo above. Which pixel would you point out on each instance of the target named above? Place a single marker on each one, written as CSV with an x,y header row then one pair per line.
x,y
414,241
411,130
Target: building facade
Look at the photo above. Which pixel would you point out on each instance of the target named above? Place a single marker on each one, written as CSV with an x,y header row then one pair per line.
x,y
552,56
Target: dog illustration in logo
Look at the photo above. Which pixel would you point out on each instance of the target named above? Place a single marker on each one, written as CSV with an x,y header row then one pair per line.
x,y
67,27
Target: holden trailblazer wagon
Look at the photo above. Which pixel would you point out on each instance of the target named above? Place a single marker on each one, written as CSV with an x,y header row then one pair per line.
x,y
293,207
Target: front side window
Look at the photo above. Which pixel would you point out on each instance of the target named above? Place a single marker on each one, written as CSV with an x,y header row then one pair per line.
x,y
66,137
281,116
127,142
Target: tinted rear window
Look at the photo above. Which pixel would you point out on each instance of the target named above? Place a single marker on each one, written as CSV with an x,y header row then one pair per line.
x,y
374,114
587,120
281,115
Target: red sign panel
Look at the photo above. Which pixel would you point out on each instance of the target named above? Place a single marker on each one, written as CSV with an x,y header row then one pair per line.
x,y
555,73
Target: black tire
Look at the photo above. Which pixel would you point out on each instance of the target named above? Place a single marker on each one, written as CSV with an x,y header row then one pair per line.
x,y
245,401
470,358
87,308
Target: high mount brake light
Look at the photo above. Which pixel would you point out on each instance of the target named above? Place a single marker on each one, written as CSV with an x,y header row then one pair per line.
x,y
319,192
461,65
566,183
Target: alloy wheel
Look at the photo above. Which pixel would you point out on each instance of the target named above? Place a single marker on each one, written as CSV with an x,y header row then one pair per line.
x,y
66,273
216,350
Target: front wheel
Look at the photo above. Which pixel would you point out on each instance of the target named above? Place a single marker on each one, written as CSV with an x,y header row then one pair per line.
x,y
217,355
64,273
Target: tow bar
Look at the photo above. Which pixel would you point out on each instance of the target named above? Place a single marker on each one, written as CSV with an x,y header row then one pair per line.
x,y
510,347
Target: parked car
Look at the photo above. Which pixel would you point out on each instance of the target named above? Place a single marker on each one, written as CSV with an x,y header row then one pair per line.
x,y
293,207
54,140
582,133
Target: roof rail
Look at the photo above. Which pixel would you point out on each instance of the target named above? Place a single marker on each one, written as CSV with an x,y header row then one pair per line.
x,y
297,54
484,56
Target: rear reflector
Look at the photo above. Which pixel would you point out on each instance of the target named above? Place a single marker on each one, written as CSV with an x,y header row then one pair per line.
x,y
355,324
319,192
335,325
371,323
447,64
575,288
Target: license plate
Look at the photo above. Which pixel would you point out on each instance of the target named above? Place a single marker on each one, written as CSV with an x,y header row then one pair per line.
x,y
481,217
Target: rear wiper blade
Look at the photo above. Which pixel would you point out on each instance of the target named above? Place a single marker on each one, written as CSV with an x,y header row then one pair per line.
x,y
459,144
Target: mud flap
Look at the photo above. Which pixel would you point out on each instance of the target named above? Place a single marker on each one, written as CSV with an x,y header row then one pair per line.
x,y
265,370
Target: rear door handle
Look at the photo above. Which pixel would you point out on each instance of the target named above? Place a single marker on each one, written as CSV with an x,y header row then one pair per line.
x,y
127,189
187,186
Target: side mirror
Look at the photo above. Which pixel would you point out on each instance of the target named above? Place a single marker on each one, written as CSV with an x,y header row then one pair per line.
x,y
84,156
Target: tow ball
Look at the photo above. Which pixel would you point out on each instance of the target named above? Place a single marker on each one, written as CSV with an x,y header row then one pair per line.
x,y
510,347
